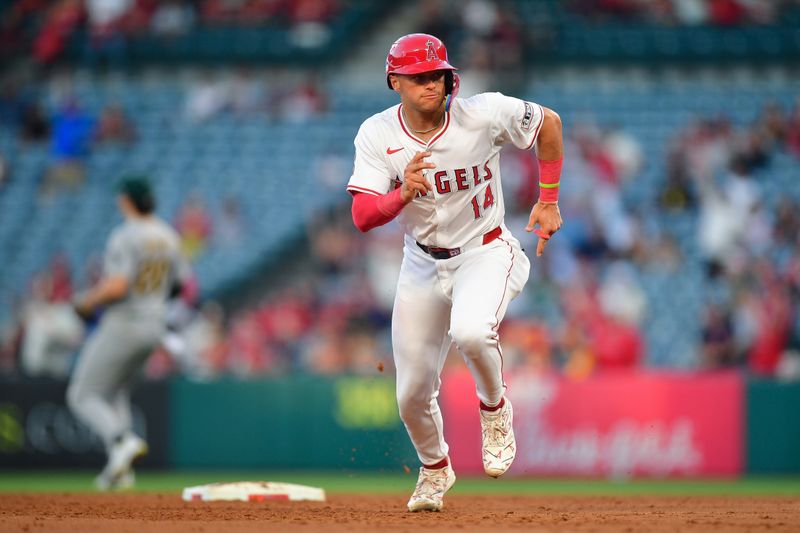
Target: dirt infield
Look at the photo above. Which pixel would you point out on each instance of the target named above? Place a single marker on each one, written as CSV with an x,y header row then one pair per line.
x,y
166,513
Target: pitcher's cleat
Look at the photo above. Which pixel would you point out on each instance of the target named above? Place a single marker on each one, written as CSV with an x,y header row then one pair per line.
x,y
431,488
497,436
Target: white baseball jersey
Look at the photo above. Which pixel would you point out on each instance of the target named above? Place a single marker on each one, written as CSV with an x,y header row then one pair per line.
x,y
467,199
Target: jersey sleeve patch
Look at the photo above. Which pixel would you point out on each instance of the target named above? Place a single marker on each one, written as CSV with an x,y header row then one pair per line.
x,y
527,117
517,121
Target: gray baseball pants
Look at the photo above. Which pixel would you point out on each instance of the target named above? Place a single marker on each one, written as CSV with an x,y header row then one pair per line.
x,y
100,386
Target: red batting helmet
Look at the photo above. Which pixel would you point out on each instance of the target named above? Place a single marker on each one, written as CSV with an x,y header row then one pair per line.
x,y
417,53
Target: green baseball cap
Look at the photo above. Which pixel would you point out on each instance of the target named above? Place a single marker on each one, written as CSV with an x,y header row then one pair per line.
x,y
138,189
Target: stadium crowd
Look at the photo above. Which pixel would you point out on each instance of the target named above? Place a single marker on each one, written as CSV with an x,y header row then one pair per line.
x,y
42,28
748,240
683,12
71,131
335,317
584,308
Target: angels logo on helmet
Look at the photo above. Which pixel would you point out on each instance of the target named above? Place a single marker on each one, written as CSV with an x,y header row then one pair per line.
x,y
432,55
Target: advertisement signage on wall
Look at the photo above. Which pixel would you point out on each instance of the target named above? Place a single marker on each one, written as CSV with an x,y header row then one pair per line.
x,y
305,422
37,428
617,425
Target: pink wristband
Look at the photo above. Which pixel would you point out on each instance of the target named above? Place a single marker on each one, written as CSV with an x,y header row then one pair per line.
x,y
549,180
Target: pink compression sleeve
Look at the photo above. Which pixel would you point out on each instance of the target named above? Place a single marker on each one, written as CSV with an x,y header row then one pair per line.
x,y
370,211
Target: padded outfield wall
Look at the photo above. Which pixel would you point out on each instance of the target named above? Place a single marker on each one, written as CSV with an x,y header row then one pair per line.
x,y
624,425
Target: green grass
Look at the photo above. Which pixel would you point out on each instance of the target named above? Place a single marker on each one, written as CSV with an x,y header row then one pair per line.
x,y
362,482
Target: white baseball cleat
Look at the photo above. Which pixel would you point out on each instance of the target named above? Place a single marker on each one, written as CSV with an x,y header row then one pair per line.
x,y
430,490
497,436
105,482
118,472
127,481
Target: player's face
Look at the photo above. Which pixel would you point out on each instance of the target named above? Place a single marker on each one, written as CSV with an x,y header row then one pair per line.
x,y
424,91
125,205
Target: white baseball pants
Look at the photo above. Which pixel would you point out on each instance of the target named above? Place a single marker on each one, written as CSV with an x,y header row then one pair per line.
x,y
460,300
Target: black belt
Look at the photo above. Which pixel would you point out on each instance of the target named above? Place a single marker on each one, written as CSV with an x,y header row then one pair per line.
x,y
447,253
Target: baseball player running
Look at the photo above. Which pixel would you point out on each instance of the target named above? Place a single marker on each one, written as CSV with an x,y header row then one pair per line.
x,y
143,268
433,162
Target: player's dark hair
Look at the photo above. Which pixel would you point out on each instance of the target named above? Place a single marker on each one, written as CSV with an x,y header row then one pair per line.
x,y
145,205
137,189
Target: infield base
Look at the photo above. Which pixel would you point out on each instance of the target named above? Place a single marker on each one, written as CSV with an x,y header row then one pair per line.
x,y
253,491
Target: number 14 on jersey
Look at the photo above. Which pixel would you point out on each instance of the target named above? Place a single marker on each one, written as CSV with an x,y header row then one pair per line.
x,y
488,201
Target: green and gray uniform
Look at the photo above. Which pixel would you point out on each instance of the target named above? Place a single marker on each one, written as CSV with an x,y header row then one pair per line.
x,y
146,251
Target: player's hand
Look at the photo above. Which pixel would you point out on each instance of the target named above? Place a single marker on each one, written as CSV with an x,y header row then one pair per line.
x,y
84,311
82,307
414,181
548,217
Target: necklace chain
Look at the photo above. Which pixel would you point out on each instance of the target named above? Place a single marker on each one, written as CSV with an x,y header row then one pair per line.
x,y
422,132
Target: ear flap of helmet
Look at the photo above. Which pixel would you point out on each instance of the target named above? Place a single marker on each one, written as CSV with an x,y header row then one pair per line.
x,y
452,81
